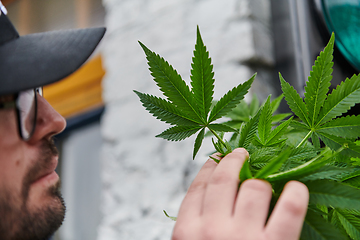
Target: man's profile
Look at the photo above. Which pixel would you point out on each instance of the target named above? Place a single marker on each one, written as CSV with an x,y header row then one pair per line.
x,y
31,206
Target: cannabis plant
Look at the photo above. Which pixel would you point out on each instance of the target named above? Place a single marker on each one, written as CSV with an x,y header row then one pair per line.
x,y
318,145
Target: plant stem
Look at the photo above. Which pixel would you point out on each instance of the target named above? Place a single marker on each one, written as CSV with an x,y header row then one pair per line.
x,y
340,150
217,136
304,140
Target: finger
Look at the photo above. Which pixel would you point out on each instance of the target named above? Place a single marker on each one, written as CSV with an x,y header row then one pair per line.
x,y
252,204
287,218
223,185
192,203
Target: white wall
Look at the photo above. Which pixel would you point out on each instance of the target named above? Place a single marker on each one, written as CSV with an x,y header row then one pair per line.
x,y
142,175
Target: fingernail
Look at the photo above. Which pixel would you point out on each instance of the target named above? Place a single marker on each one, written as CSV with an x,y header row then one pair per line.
x,y
242,151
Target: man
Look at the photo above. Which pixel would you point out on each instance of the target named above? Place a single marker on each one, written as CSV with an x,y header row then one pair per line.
x,y
30,203
31,206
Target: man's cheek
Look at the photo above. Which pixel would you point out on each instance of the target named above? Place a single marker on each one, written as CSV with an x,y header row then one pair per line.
x,y
13,165
11,176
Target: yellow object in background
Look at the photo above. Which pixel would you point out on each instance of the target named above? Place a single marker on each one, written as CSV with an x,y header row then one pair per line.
x,y
79,92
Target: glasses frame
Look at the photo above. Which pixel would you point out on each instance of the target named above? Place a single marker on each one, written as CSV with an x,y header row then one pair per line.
x,y
14,104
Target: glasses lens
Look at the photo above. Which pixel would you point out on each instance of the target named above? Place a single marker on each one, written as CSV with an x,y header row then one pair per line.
x,y
39,90
26,104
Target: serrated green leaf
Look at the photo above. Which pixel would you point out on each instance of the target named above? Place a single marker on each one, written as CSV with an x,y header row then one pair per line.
x,y
302,154
355,173
263,154
352,179
171,84
179,133
277,132
279,117
326,172
164,110
294,101
236,124
198,142
240,112
355,182
230,100
228,147
315,140
265,120
343,160
189,111
257,142
348,126
300,125
349,222
217,147
340,100
335,143
277,143
334,194
276,103
304,169
202,77
295,136
274,164
317,228
318,82
248,131
245,172
221,127
334,219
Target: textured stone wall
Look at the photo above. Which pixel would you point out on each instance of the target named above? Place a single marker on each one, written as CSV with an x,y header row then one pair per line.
x,y
142,175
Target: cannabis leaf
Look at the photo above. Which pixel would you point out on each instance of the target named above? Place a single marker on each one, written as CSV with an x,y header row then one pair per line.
x,y
348,220
319,108
278,146
189,110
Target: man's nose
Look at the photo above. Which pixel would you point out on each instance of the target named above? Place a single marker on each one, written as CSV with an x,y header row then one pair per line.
x,y
48,121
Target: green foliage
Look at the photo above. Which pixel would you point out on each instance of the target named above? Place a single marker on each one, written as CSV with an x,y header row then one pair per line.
x,y
189,110
278,144
172,218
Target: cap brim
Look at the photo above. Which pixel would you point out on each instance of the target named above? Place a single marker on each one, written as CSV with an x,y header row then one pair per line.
x,y
39,59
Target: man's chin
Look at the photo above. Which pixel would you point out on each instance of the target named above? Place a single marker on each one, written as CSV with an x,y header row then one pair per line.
x,y
40,219
43,223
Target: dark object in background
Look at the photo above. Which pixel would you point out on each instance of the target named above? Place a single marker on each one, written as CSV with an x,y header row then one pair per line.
x,y
302,29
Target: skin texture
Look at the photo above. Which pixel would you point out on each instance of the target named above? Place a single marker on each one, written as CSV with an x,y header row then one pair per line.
x,y
213,207
29,209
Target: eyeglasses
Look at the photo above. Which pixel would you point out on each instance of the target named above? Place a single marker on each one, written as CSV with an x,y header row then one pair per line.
x,y
25,103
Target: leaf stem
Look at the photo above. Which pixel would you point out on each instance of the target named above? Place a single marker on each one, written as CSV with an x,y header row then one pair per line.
x,y
217,136
304,140
340,150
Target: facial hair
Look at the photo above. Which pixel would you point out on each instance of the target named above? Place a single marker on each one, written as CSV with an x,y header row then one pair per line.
x,y
21,223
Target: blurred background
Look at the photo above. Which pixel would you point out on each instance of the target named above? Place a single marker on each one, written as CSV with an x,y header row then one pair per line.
x,y
116,176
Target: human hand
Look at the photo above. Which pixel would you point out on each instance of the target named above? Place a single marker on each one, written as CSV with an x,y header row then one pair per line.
x,y
214,209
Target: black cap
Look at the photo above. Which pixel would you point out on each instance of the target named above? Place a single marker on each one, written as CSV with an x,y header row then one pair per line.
x,y
39,59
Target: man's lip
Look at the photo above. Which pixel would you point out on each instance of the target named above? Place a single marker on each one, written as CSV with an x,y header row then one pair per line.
x,y
46,180
50,168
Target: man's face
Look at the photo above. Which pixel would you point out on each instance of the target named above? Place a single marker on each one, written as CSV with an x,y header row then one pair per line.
x,y
30,203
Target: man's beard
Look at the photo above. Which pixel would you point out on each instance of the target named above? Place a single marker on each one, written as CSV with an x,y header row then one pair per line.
x,y
20,223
